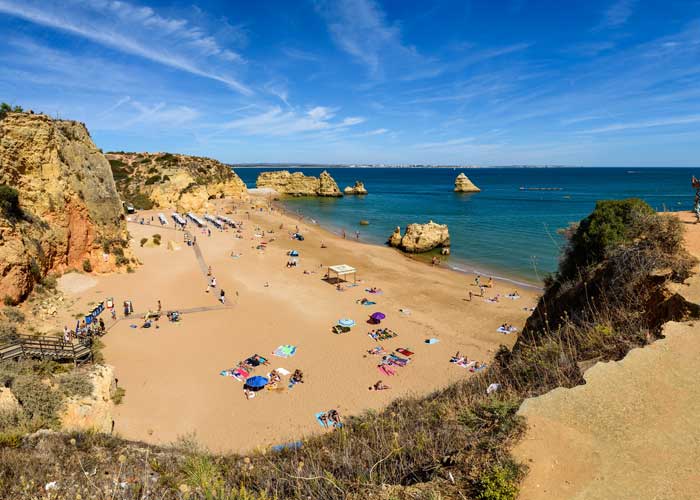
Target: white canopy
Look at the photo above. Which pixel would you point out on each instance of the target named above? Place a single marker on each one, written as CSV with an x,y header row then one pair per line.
x,y
342,270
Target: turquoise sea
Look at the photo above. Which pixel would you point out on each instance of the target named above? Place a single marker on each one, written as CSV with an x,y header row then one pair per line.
x,y
503,230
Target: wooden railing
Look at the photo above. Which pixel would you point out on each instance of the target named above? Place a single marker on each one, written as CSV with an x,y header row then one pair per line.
x,y
27,346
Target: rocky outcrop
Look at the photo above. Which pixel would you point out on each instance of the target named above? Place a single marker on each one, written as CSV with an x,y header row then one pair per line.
x,y
8,401
357,189
181,182
298,184
464,185
69,209
421,237
93,412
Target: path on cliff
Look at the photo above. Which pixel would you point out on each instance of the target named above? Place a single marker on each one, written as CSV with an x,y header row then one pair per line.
x,y
632,431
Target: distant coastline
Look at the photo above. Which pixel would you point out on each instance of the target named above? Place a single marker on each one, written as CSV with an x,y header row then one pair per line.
x,y
283,166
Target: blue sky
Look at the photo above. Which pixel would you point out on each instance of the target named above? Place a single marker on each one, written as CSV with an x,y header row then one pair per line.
x,y
613,82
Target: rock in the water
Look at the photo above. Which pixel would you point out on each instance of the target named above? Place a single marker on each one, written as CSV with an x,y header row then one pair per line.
x,y
67,197
298,184
327,185
358,188
421,237
464,185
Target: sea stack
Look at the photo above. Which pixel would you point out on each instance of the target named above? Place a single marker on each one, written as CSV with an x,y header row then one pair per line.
x,y
421,238
464,185
357,189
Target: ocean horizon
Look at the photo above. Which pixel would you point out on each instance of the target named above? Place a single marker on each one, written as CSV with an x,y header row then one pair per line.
x,y
503,231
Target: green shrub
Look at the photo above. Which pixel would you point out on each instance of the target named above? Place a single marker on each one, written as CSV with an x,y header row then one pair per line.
x,y
9,201
75,383
607,226
14,315
8,332
39,401
152,180
144,241
118,395
122,261
140,201
499,483
87,266
9,301
50,281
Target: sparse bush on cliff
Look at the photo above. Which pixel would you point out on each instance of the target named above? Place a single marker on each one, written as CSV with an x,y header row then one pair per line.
x,y
140,201
75,383
87,266
40,402
609,224
143,241
9,201
6,108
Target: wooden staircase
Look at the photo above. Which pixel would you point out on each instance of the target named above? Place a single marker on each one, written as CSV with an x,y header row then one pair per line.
x,y
27,346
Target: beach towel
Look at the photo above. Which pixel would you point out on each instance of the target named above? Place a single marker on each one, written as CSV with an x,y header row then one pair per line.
x,y
472,369
432,341
403,351
285,351
133,326
238,373
512,296
288,446
377,350
405,312
385,370
491,301
369,303
330,424
283,372
369,290
506,331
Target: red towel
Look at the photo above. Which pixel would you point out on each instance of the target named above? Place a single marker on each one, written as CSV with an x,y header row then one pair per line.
x,y
403,351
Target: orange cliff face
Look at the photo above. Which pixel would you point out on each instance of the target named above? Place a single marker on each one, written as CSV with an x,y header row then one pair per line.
x,y
70,209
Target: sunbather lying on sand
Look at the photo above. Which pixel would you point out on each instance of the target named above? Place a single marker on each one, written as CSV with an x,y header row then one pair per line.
x,y
296,378
379,386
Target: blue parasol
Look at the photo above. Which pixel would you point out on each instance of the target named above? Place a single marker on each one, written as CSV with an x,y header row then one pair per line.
x,y
347,322
256,383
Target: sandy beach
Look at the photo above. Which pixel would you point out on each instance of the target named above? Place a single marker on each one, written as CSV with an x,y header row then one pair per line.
x,y
171,374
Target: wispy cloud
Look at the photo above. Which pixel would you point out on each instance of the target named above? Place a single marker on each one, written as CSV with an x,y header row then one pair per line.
x,y
617,14
276,122
360,28
135,30
617,127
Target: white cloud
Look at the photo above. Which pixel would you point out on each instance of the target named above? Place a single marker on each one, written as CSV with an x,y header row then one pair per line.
x,y
276,122
137,31
615,127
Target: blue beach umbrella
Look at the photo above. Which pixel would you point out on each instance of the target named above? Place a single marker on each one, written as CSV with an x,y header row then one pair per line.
x,y
347,322
256,383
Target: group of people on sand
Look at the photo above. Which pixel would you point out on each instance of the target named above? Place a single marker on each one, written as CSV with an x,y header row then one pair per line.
x,y
211,284
465,362
330,418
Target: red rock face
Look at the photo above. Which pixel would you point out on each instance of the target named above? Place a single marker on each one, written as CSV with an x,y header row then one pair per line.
x,y
67,195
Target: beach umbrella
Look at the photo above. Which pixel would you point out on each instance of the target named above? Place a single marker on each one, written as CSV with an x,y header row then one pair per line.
x,y
256,383
347,322
378,316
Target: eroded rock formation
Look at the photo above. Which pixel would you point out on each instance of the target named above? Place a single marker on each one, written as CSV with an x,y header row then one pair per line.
x,y
358,189
181,182
69,209
298,184
93,412
421,237
464,185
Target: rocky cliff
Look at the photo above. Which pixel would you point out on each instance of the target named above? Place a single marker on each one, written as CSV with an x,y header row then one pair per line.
x,y
464,185
69,210
181,182
421,237
298,184
357,189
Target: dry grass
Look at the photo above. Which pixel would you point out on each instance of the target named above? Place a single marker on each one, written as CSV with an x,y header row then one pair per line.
x,y
453,444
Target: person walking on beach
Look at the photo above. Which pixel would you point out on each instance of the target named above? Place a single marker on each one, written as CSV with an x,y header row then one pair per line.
x,y
470,296
209,271
357,235
343,233
222,296
477,280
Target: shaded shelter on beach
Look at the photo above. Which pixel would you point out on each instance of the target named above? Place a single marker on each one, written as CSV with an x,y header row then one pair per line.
x,y
341,271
